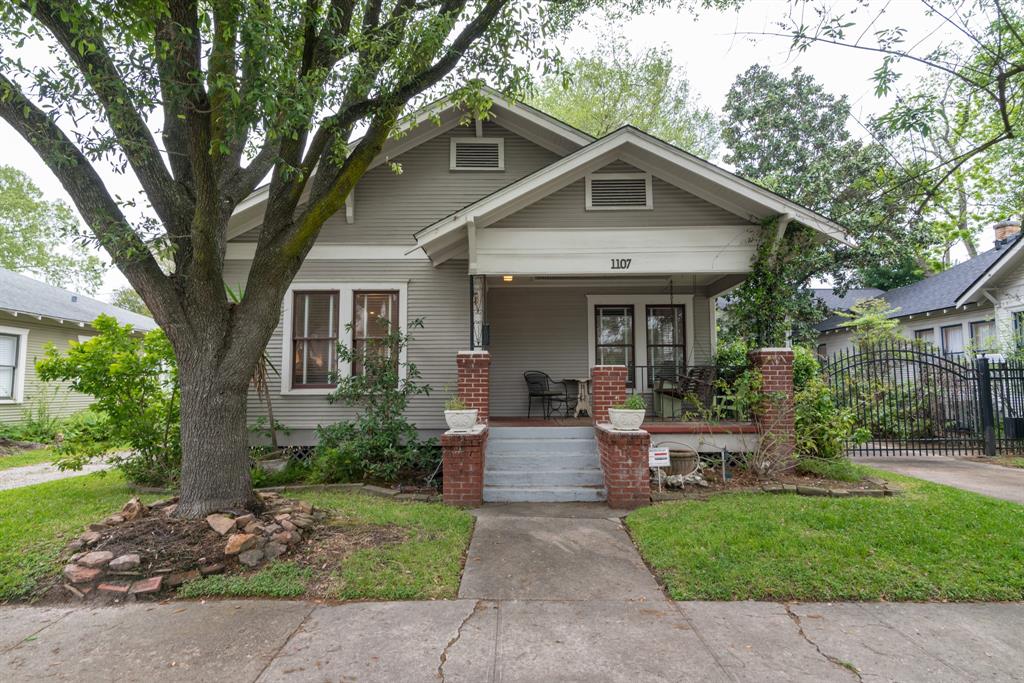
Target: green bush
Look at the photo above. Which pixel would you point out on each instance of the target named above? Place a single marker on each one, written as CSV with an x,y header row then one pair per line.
x,y
380,444
134,380
823,428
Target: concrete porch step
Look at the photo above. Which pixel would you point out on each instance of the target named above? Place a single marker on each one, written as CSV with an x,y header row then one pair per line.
x,y
547,462
547,494
543,478
539,446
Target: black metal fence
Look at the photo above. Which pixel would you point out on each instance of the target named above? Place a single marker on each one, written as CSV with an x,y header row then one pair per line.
x,y
917,402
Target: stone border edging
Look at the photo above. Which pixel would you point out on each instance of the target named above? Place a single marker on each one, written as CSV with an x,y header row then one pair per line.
x,y
830,492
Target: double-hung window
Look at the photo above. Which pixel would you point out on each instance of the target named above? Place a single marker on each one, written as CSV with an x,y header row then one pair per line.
x,y
1018,328
614,337
376,318
983,336
9,348
315,316
666,342
953,340
925,336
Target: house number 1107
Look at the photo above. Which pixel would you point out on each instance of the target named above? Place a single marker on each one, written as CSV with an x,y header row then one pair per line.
x,y
621,263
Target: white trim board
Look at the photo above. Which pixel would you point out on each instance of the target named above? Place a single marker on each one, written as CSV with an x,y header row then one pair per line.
x,y
639,303
345,316
18,392
246,251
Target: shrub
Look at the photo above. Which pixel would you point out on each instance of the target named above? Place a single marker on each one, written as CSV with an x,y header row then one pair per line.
x,y
632,402
380,443
823,428
134,380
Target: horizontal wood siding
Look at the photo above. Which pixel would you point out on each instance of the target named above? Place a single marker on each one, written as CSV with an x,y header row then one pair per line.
x,y
539,328
390,208
566,209
438,295
55,397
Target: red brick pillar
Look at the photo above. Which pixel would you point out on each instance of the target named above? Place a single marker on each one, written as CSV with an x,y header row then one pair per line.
x,y
776,421
607,388
625,464
475,381
463,467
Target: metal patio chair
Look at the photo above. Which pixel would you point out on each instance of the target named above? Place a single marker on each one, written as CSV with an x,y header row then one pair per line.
x,y
540,386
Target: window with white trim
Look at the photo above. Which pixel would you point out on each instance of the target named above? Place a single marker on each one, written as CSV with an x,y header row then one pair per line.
x,y
9,352
983,336
314,339
376,317
619,192
477,154
953,340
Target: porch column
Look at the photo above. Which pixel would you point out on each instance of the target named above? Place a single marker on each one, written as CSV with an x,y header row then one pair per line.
x,y
608,388
474,381
777,421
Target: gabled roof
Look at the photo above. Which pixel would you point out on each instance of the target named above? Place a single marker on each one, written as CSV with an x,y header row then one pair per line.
x,y
690,173
1007,259
427,123
940,291
834,302
20,295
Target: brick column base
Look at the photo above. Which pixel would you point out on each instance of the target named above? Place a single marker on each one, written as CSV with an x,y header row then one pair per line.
x,y
777,421
474,381
624,461
462,468
607,388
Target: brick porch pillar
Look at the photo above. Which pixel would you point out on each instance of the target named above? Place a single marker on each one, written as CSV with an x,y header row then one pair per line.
x,y
625,464
776,421
607,388
463,467
474,381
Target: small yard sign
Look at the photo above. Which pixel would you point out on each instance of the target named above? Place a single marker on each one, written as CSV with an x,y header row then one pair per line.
x,y
658,457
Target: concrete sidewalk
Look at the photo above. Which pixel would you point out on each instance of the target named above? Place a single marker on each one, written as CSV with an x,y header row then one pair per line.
x,y
513,640
989,480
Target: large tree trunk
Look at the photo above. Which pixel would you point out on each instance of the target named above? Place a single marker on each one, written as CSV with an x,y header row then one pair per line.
x,y
215,470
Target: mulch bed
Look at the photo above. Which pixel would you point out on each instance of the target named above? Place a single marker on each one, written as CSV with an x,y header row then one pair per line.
x,y
12,447
740,481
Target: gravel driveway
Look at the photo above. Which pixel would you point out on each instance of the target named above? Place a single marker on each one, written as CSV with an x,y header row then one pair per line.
x,y
37,474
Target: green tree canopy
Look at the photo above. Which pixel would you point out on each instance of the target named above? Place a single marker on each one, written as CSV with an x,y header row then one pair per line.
x,y
128,299
613,86
36,236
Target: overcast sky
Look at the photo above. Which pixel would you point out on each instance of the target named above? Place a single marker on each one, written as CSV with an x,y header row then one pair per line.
x,y
710,47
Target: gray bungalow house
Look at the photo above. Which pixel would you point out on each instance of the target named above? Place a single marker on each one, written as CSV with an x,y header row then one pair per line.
x,y
974,307
521,235
33,315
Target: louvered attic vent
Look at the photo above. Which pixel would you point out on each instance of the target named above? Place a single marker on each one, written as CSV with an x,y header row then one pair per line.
x,y
478,154
619,191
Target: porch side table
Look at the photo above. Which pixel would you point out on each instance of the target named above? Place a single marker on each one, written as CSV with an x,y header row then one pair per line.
x,y
582,394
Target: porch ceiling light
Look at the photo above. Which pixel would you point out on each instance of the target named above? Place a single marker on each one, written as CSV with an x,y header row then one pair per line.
x,y
506,278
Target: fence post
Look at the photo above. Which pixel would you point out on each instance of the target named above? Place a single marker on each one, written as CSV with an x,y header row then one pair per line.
x,y
988,420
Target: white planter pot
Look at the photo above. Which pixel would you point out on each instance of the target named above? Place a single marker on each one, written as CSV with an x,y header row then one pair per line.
x,y
460,420
626,420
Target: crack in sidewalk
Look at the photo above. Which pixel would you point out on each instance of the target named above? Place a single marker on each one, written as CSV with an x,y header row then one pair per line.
x,y
454,639
835,660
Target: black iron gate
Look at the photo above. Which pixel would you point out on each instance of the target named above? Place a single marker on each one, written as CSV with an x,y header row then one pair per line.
x,y
917,402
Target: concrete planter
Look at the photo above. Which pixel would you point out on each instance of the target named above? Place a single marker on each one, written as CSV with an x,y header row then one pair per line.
x,y
626,420
461,420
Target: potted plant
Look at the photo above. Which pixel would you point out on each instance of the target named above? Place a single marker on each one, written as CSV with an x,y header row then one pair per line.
x,y
458,416
628,415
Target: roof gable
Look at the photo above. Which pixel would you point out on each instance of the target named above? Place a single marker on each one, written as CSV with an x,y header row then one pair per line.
x,y
1008,259
747,201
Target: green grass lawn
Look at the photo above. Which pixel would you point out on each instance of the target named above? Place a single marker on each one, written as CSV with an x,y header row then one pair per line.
x,y
427,565
931,543
37,521
36,457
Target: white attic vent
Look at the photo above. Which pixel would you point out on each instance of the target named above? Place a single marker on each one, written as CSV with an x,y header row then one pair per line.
x,y
478,154
619,191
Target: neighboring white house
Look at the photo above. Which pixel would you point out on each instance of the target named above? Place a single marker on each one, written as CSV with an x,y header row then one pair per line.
x,y
522,235
973,307
33,315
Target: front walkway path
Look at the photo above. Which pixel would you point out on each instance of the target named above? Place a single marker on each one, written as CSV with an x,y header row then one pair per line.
x,y
28,475
989,480
554,594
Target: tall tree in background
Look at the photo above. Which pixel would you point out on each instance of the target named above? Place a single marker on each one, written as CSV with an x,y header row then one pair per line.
x,y
965,118
613,86
791,136
128,299
32,232
236,90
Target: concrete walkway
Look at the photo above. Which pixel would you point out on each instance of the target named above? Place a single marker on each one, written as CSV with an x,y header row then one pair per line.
x,y
16,477
550,593
989,480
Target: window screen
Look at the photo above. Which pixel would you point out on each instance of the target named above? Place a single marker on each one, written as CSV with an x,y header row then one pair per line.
x,y
314,339
8,364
